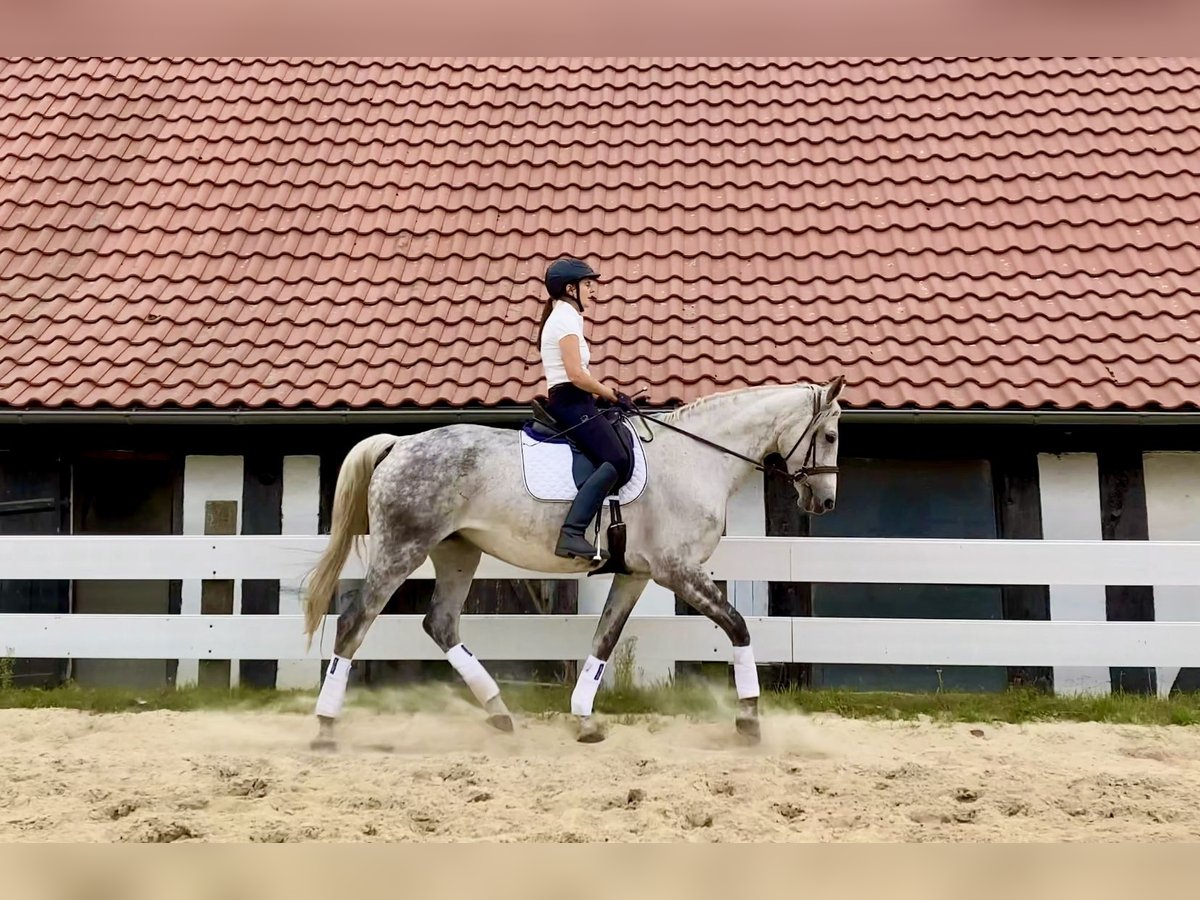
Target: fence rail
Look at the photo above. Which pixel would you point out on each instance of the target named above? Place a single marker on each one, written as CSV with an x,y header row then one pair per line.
x,y
815,560
950,641
525,637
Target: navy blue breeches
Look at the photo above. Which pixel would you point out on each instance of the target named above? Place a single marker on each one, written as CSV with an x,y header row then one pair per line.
x,y
596,438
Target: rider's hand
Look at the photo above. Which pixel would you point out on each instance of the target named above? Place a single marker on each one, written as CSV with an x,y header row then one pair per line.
x,y
625,402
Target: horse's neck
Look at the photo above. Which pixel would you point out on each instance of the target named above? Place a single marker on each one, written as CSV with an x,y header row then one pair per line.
x,y
748,423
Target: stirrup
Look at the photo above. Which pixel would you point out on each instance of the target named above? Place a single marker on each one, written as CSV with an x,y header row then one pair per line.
x,y
599,555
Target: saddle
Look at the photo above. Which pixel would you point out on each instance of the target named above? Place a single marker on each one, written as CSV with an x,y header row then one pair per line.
x,y
544,427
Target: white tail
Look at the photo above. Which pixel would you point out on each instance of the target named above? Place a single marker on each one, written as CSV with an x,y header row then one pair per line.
x,y
348,523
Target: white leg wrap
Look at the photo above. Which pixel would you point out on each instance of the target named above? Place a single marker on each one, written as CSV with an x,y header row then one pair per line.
x,y
587,685
745,673
333,691
473,673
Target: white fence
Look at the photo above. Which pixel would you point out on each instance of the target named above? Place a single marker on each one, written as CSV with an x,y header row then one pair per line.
x,y
946,641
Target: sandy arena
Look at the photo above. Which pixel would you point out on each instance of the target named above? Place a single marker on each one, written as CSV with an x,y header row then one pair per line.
x,y
218,776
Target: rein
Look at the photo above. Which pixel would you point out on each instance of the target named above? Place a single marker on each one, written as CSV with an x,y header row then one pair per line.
x,y
802,474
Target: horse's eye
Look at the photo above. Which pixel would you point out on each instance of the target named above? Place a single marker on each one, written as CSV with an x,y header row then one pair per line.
x,y
831,438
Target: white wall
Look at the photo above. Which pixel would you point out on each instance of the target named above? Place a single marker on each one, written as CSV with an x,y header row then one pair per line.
x,y
207,478
301,509
1070,496
1173,513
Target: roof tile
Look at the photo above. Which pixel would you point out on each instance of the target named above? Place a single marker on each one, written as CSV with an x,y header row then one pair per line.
x,y
330,233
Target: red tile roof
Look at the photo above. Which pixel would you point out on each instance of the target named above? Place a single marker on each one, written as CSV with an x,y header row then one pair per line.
x,y
1000,233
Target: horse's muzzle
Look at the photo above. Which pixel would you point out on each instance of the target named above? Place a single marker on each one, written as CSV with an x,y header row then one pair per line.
x,y
814,506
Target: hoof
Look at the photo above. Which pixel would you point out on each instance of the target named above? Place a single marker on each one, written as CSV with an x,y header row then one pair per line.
x,y
589,731
501,723
324,740
747,723
749,728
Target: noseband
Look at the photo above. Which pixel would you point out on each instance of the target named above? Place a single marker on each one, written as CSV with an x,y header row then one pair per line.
x,y
809,469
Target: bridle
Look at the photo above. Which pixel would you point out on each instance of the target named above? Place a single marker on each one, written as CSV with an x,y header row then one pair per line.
x,y
809,469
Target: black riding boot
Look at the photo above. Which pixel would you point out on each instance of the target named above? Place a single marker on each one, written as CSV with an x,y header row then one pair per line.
x,y
572,540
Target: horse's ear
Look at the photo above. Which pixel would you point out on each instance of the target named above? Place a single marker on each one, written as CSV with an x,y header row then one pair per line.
x,y
834,388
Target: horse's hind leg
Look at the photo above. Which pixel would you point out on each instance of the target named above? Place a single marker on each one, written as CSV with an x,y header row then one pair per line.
x,y
455,561
693,586
383,578
622,597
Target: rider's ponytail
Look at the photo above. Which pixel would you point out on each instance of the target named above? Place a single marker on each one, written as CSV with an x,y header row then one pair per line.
x,y
546,310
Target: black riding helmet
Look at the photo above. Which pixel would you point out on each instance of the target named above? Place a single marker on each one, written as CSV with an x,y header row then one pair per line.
x,y
562,272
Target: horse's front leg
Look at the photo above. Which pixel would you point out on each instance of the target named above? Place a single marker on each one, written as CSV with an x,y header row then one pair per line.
x,y
692,585
622,597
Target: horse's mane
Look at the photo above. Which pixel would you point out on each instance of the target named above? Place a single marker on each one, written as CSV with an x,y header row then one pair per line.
x,y
721,397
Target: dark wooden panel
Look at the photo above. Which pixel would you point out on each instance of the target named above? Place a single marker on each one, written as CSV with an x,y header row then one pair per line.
x,y
1019,513
126,493
262,513
785,519
216,595
21,507
262,494
889,497
1186,682
1123,517
175,585
331,462
34,492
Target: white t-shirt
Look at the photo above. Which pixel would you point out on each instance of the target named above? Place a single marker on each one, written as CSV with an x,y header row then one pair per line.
x,y
564,319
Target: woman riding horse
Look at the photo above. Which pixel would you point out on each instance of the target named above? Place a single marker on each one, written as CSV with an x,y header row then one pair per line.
x,y
572,391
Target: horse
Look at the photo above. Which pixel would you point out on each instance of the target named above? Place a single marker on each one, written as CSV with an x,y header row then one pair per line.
x,y
455,492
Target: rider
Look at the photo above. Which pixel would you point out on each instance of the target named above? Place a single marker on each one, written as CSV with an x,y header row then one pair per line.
x,y
572,393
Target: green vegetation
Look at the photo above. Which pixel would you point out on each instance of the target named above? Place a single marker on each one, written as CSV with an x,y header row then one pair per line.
x,y
693,698
7,665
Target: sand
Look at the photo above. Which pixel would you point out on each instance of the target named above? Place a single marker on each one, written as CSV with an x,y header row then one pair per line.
x,y
445,776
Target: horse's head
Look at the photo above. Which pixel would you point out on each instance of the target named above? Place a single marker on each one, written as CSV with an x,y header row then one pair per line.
x,y
810,449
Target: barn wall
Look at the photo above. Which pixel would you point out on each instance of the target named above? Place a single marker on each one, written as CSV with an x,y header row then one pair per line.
x,y
1066,483
274,494
120,493
1079,482
1016,481
35,494
1173,514
212,488
301,501
1123,492
918,481
1070,500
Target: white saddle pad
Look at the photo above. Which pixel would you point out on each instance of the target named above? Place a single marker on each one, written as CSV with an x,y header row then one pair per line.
x,y
547,469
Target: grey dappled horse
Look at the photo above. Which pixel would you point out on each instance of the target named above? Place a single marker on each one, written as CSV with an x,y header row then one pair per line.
x,y
454,492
